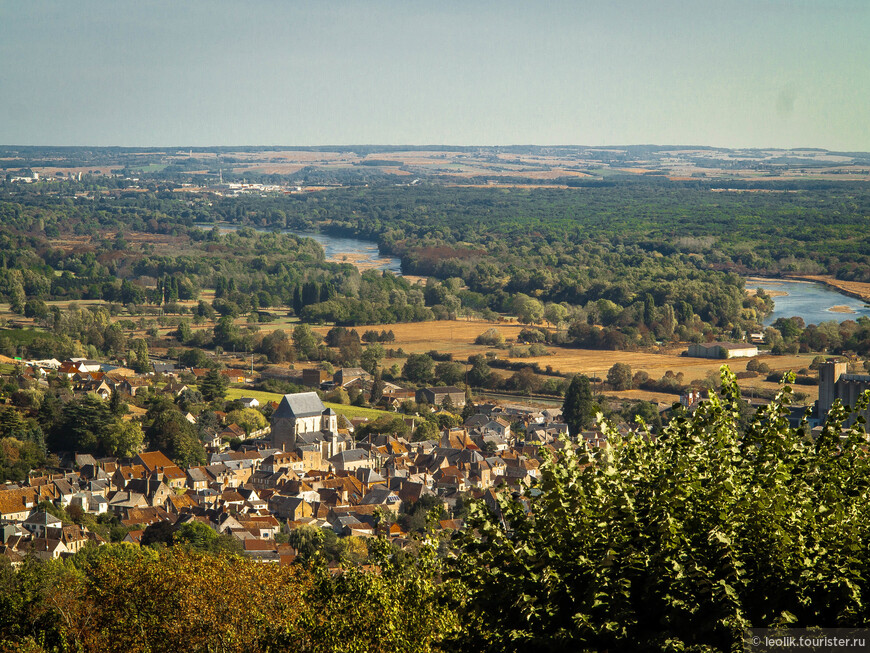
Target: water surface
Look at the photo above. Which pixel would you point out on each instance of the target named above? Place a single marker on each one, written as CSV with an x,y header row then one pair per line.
x,y
810,301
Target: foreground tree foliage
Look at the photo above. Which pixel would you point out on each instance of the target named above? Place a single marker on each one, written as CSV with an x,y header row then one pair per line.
x,y
677,543
126,599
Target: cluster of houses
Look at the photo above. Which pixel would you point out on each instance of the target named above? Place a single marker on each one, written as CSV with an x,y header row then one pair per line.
x,y
97,377
92,376
306,470
392,395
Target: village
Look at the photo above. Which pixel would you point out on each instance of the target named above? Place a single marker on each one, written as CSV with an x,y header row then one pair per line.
x,y
304,468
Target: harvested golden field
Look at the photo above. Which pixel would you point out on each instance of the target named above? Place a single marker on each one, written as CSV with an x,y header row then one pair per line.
x,y
49,171
291,155
457,337
83,243
454,336
594,362
502,184
273,168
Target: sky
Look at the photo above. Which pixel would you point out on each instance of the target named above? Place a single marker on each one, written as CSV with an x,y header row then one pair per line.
x,y
727,73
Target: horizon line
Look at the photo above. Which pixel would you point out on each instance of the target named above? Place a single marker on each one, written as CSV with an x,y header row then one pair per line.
x,y
351,146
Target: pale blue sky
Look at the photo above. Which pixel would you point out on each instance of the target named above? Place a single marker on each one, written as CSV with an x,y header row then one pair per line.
x,y
733,73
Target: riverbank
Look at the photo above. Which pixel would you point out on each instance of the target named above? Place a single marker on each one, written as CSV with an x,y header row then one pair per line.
x,y
855,289
814,299
770,293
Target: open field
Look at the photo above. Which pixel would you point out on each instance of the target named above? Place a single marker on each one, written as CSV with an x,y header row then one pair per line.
x,y
454,336
457,337
489,165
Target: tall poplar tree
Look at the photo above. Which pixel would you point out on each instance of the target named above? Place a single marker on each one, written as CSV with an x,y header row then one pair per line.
x,y
579,408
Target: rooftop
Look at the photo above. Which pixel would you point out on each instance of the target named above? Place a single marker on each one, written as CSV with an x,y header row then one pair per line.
x,y
300,404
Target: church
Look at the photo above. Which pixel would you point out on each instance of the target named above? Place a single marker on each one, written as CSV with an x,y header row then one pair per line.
x,y
302,421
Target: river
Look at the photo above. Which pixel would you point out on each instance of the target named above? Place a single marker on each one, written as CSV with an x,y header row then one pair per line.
x,y
363,254
810,301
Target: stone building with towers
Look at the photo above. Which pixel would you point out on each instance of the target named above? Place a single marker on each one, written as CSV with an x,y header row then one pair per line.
x,y
302,422
836,383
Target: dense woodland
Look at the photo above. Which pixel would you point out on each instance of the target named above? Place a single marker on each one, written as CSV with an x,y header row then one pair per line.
x,y
624,264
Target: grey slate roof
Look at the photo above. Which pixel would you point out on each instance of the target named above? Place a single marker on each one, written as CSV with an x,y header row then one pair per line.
x,y
350,456
311,437
197,474
42,518
369,476
379,496
444,389
476,420
300,404
83,459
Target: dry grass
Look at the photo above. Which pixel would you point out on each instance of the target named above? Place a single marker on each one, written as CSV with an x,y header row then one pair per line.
x,y
454,336
457,337
536,166
274,168
49,171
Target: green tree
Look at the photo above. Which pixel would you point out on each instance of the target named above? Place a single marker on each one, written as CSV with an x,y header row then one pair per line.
x,y
122,438
226,332
528,310
678,542
418,368
619,376
184,333
116,405
36,308
311,542
194,358
450,373
555,314
172,434
200,537
249,419
305,341
371,357
579,408
160,533
17,298
426,430
82,426
277,347
480,374
214,385
139,354
377,387
647,411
